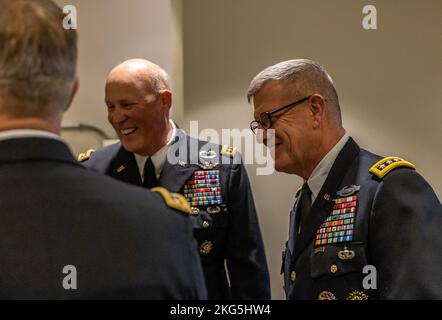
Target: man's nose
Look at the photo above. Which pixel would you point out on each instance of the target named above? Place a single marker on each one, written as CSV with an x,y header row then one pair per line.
x,y
262,135
268,137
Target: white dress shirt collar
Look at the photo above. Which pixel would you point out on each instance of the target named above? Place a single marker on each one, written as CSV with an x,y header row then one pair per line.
x,y
321,171
27,133
159,158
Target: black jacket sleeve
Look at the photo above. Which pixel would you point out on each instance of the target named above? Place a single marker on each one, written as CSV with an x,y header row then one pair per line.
x,y
246,261
406,237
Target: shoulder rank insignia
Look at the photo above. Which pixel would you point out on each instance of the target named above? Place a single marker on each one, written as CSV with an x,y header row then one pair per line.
x,y
85,156
228,151
173,200
384,166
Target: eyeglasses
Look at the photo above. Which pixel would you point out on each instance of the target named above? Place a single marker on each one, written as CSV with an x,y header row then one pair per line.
x,y
265,118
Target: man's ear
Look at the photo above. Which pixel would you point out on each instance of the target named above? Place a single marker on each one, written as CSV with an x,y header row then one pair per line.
x,y
74,90
317,108
166,97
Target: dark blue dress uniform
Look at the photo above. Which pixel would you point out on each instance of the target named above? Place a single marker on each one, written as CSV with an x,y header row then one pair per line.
x,y
123,241
224,217
370,211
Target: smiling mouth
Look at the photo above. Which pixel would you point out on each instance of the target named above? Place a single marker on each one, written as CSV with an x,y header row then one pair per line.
x,y
128,131
277,144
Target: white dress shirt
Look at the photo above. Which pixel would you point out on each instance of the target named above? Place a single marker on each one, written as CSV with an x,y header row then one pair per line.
x,y
159,158
321,171
27,133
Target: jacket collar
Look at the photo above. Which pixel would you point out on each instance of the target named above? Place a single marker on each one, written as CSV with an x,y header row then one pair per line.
x,y
177,168
38,148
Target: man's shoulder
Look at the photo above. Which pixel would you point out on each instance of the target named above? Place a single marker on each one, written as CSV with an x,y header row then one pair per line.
x,y
392,174
99,158
118,196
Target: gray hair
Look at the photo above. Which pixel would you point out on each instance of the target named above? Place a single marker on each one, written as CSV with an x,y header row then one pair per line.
x,y
305,75
38,58
159,80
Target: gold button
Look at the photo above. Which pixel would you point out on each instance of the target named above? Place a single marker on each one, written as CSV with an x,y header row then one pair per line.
x,y
326,295
333,268
293,276
205,225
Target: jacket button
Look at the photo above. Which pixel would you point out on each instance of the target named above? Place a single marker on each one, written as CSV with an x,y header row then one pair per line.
x,y
293,276
205,225
333,268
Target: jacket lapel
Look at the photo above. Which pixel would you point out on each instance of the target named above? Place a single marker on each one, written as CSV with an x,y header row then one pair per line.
x,y
173,177
124,167
324,202
293,226
177,170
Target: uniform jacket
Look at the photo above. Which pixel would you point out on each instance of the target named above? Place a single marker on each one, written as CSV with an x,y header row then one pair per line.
x,y
396,227
231,235
124,242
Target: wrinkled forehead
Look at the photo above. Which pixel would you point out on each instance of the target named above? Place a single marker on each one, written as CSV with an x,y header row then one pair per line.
x,y
273,92
134,83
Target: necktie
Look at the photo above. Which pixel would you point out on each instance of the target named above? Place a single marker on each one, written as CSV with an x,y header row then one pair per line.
x,y
150,179
306,204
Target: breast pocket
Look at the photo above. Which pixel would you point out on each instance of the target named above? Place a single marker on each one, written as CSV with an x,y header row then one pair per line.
x,y
209,218
338,260
210,230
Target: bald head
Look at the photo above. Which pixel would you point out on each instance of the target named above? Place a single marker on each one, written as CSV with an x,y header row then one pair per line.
x,y
144,74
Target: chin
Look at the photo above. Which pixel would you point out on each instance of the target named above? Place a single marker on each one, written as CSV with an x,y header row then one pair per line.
x,y
279,166
129,146
284,166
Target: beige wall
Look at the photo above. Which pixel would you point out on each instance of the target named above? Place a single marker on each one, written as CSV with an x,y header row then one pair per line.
x,y
111,31
389,80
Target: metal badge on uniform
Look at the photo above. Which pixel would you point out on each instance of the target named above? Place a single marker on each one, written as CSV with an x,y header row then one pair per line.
x,y
339,225
204,190
194,211
228,151
214,210
208,159
348,191
206,247
208,165
357,295
326,295
207,154
346,254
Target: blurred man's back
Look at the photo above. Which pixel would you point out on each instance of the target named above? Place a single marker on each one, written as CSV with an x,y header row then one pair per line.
x,y
66,232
